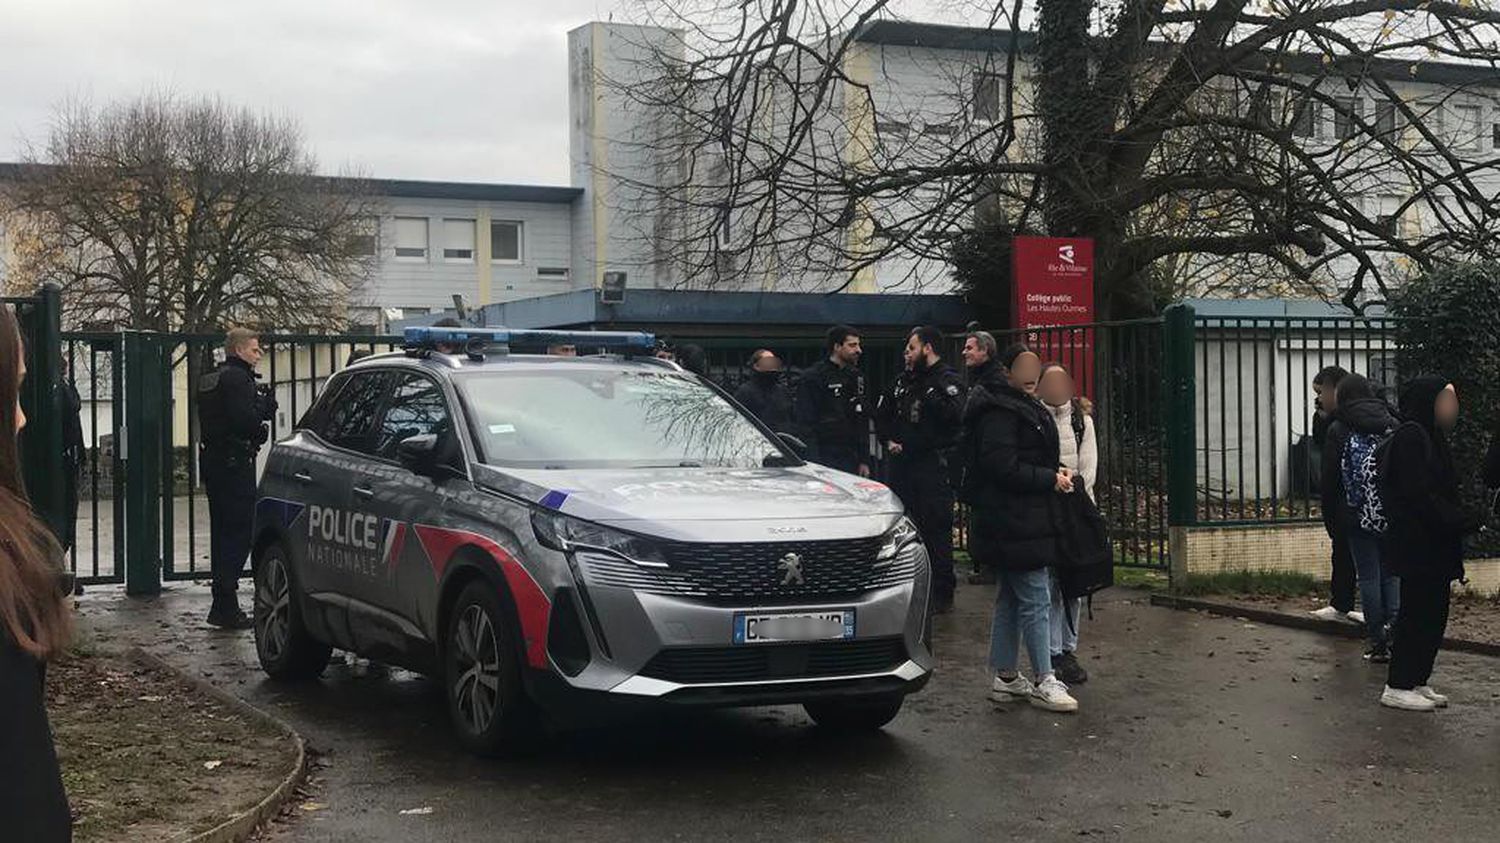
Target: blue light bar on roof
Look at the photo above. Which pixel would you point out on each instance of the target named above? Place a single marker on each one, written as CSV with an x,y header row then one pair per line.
x,y
528,340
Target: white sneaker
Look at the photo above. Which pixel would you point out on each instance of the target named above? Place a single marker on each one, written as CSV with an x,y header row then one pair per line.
x,y
1328,613
1019,688
1406,700
1439,700
1051,694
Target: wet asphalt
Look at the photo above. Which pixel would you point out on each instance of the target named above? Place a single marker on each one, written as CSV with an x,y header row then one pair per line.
x,y
1191,728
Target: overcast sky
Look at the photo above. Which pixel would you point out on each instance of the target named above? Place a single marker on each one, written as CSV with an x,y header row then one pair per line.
x,y
467,90
470,90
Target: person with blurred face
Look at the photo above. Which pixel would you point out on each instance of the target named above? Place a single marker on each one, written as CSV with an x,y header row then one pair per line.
x,y
830,406
764,392
1427,524
35,626
564,350
1078,452
1342,584
1014,481
919,423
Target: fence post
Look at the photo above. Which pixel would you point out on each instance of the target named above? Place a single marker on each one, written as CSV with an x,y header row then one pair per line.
x,y
140,447
42,463
1178,325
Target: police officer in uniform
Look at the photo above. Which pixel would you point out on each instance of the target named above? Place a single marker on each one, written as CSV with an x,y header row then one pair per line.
x,y
232,416
830,406
920,421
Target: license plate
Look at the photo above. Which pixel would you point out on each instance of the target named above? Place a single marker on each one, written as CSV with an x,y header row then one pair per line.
x,y
773,627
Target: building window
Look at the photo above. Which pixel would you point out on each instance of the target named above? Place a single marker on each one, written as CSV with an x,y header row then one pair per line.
x,y
1385,117
555,273
1388,215
362,242
505,242
988,88
1495,136
1466,127
411,238
458,241
1306,123
1346,117
414,312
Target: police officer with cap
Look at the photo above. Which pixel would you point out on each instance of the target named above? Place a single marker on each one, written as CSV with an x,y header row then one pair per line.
x,y
920,421
232,416
830,406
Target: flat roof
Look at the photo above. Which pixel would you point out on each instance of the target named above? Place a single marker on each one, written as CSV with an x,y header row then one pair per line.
x,y
651,307
415,189
1272,308
899,33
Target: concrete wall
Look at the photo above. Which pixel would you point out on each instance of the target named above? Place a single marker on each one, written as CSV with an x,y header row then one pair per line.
x,y
1296,548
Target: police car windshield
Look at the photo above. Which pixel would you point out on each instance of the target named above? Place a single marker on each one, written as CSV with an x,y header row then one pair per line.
x,y
565,417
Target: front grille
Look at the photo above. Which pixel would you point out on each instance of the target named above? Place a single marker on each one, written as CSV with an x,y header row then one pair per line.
x,y
756,572
761,662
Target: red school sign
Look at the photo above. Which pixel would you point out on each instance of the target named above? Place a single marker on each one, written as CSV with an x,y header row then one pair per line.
x,y
1052,283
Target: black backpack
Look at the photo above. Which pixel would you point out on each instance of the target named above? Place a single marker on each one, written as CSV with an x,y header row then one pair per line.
x,y
1087,559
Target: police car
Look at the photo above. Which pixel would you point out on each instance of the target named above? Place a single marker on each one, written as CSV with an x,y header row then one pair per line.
x,y
555,538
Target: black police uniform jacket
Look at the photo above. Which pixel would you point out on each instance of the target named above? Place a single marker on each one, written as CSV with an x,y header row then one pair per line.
x,y
830,413
1011,453
923,412
230,411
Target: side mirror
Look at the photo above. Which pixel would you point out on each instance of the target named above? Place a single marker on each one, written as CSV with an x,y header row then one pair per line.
x,y
797,445
418,453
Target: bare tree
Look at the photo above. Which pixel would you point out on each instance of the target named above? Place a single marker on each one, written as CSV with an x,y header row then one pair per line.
x,y
167,214
1301,146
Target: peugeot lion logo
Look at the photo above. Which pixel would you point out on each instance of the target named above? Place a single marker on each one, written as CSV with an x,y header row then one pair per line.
x,y
1065,254
790,566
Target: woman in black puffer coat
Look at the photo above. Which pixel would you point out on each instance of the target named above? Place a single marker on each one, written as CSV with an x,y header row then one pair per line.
x,y
1014,481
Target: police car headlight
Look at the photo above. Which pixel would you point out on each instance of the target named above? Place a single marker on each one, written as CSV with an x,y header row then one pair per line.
x,y
563,533
902,538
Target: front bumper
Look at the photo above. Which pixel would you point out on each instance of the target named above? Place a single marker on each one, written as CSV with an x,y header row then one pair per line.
x,y
648,649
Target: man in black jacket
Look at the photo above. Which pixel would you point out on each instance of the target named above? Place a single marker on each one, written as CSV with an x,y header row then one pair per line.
x,y
1341,601
830,406
232,412
919,422
764,393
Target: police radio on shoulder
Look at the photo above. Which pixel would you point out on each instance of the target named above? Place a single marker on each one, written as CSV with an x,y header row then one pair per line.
x,y
477,342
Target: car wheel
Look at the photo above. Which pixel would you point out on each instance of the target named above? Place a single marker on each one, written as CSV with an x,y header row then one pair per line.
x,y
482,675
285,648
855,715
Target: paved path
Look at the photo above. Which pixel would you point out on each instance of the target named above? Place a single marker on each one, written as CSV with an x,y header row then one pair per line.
x,y
1193,728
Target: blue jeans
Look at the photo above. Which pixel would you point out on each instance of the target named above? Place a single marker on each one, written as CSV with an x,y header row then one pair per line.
x,y
1023,608
1065,617
1379,593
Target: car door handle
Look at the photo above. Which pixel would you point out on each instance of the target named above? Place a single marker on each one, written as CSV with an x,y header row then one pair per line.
x,y
363,492
302,478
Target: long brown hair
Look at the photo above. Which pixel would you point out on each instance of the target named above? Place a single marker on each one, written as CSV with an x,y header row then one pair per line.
x,y
33,612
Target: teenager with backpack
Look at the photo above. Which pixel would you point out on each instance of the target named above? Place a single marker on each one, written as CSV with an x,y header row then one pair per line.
x,y
1015,483
1424,540
1079,452
1356,440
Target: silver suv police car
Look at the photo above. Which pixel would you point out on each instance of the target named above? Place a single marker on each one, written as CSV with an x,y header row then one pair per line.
x,y
568,536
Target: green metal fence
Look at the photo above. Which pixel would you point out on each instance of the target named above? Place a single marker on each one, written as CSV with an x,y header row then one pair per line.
x,y
1257,458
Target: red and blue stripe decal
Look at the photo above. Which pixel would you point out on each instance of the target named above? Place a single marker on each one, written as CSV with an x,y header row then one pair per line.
x,y
532,605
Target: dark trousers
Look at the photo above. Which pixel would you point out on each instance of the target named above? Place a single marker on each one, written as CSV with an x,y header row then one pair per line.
x,y
922,485
1420,624
230,485
1344,573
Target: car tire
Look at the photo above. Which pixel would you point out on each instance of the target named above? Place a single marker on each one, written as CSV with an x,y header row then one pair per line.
x,y
286,649
868,714
487,703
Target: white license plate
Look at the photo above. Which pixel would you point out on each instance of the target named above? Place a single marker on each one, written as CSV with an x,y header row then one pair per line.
x,y
772,627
